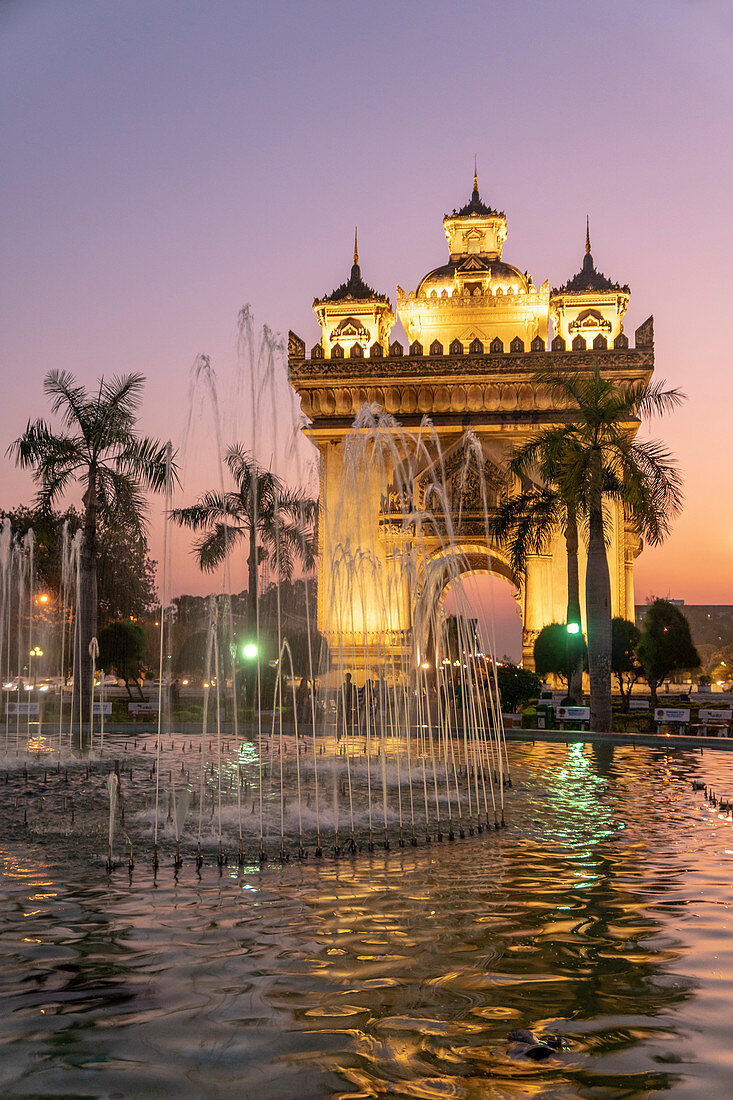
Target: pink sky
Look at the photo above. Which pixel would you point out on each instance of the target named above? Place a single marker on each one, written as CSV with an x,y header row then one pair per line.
x,y
165,164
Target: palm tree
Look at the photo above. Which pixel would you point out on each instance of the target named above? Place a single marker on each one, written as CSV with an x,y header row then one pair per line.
x,y
527,523
599,458
276,523
100,449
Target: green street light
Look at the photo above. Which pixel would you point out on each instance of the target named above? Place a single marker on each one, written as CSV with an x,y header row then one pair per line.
x,y
250,651
573,628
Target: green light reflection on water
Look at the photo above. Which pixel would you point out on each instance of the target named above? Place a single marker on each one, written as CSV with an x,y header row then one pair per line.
x,y
576,794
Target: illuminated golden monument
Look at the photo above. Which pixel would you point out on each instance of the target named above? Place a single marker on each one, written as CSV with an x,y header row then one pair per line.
x,y
478,332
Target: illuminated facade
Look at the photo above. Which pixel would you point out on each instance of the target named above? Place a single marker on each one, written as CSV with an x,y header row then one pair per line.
x,y
477,331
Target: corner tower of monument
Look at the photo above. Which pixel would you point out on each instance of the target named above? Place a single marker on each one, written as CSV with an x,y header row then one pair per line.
x,y
587,311
353,316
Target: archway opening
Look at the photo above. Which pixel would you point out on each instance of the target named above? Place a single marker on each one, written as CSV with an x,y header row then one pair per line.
x,y
490,599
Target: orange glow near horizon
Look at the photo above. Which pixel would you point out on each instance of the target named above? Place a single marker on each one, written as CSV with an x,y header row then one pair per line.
x,y
110,270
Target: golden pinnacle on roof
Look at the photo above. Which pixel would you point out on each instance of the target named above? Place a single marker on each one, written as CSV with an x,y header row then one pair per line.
x,y
475,174
356,247
587,235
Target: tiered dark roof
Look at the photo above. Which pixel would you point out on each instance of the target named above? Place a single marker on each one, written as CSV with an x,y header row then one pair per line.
x,y
475,206
355,288
588,279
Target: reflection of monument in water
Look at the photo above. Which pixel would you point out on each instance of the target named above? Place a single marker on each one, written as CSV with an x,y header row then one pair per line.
x,y
409,512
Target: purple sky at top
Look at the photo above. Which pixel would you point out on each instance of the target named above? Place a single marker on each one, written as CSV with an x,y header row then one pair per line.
x,y
165,163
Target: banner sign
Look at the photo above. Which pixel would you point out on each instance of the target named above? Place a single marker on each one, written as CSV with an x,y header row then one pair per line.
x,y
101,708
14,709
142,708
580,714
715,717
672,714
638,704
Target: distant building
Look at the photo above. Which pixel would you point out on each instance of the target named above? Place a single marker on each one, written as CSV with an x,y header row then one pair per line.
x,y
710,624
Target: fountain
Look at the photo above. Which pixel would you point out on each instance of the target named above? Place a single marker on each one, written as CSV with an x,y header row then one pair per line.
x,y
325,875
401,742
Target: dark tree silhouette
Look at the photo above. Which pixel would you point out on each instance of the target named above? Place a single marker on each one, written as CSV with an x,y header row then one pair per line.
x,y
99,449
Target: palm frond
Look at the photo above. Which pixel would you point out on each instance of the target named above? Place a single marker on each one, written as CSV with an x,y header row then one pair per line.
x,y
658,401
526,524
213,548
653,493
146,460
120,498
68,398
121,395
55,460
212,507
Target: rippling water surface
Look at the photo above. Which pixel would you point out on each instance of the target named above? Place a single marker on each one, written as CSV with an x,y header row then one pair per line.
x,y
601,914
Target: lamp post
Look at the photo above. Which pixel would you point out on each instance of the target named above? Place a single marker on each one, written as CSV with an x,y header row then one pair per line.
x,y
35,652
573,630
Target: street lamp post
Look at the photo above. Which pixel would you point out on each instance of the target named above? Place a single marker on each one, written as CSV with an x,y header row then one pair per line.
x,y
35,652
573,630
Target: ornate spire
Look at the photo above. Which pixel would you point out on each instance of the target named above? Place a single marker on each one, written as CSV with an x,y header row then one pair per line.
x,y
588,279
475,206
355,287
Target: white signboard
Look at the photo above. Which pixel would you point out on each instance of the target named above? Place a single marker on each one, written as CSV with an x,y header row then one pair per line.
x,y
15,709
672,714
580,714
101,708
638,704
715,717
142,708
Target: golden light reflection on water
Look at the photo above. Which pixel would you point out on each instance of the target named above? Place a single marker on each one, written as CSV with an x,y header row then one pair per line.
x,y
599,913
40,745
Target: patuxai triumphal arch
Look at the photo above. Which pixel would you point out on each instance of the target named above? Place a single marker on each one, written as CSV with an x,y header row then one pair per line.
x,y
478,331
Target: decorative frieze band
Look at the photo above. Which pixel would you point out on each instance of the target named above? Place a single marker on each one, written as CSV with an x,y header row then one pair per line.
x,y
383,370
407,399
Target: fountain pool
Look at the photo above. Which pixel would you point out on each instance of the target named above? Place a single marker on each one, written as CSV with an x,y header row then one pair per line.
x,y
602,914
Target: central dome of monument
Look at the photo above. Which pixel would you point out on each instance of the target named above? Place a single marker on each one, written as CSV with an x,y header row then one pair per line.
x,y
476,294
495,275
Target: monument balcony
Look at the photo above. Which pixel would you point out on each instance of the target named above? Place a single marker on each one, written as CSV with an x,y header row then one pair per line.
x,y
496,357
428,526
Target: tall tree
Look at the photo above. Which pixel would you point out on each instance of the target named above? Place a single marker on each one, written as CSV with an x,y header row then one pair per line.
x,y
125,571
122,649
527,524
99,449
601,460
665,645
556,652
276,523
624,663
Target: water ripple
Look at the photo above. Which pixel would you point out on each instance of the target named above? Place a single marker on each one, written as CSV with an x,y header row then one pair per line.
x,y
602,914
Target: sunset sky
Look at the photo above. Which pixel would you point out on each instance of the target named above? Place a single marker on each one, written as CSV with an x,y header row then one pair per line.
x,y
165,163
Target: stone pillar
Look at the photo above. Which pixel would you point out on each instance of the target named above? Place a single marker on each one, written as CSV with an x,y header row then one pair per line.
x,y
537,593
632,549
